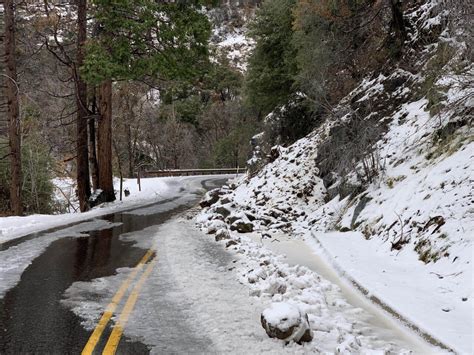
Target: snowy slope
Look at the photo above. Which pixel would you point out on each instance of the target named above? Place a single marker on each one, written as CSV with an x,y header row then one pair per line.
x,y
229,33
407,238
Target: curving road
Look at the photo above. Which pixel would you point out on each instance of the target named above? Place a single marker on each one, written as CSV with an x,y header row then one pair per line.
x,y
33,317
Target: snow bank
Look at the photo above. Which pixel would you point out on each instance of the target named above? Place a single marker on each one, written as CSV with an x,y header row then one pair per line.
x,y
153,190
336,325
430,296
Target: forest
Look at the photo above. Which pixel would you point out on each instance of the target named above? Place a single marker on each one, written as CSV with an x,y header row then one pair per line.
x,y
102,89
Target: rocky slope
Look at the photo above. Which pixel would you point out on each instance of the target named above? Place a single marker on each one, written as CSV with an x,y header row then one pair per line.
x,y
402,216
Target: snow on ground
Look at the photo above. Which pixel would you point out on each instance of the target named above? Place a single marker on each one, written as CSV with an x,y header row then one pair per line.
x,y
205,298
337,325
153,190
409,235
428,297
424,205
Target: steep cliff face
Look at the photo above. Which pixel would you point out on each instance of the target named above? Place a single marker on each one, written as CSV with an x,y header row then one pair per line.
x,y
385,184
230,25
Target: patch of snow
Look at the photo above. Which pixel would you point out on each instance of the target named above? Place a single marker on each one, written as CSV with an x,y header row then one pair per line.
x,y
428,296
152,190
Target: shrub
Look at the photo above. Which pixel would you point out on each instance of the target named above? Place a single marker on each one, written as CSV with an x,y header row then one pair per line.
x,y
349,146
37,188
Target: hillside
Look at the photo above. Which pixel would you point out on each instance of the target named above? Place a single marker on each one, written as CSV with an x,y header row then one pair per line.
x,y
383,187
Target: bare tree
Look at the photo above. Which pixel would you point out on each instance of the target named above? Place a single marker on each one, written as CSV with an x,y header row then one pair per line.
x,y
13,109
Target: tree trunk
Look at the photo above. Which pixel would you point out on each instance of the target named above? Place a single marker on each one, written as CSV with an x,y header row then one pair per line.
x,y
397,19
83,178
13,110
129,150
94,169
104,140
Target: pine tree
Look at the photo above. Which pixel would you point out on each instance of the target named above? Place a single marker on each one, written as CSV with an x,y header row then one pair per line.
x,y
272,65
142,40
82,151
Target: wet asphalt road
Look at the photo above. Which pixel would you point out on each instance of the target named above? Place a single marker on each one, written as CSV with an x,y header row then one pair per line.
x,y
32,318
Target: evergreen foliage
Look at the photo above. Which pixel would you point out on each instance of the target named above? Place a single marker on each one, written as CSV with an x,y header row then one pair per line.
x,y
272,65
37,187
144,38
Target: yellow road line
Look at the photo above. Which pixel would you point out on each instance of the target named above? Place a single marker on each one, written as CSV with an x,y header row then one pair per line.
x,y
112,306
114,339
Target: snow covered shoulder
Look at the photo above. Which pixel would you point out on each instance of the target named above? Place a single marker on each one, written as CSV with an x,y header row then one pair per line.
x,y
152,190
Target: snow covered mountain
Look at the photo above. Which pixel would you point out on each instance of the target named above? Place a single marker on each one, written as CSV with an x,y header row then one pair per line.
x,y
229,31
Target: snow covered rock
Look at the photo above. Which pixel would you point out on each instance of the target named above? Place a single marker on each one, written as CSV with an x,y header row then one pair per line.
x,y
286,322
210,198
242,226
222,234
222,210
215,225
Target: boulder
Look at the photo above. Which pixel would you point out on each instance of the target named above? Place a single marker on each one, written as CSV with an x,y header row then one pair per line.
x,y
250,216
214,226
210,198
223,211
222,234
286,322
242,226
225,200
274,153
232,218
231,243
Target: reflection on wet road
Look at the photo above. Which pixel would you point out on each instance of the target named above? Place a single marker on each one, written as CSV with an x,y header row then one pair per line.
x,y
32,318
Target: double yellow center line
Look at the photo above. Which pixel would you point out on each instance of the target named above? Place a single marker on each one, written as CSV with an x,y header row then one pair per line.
x,y
114,338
